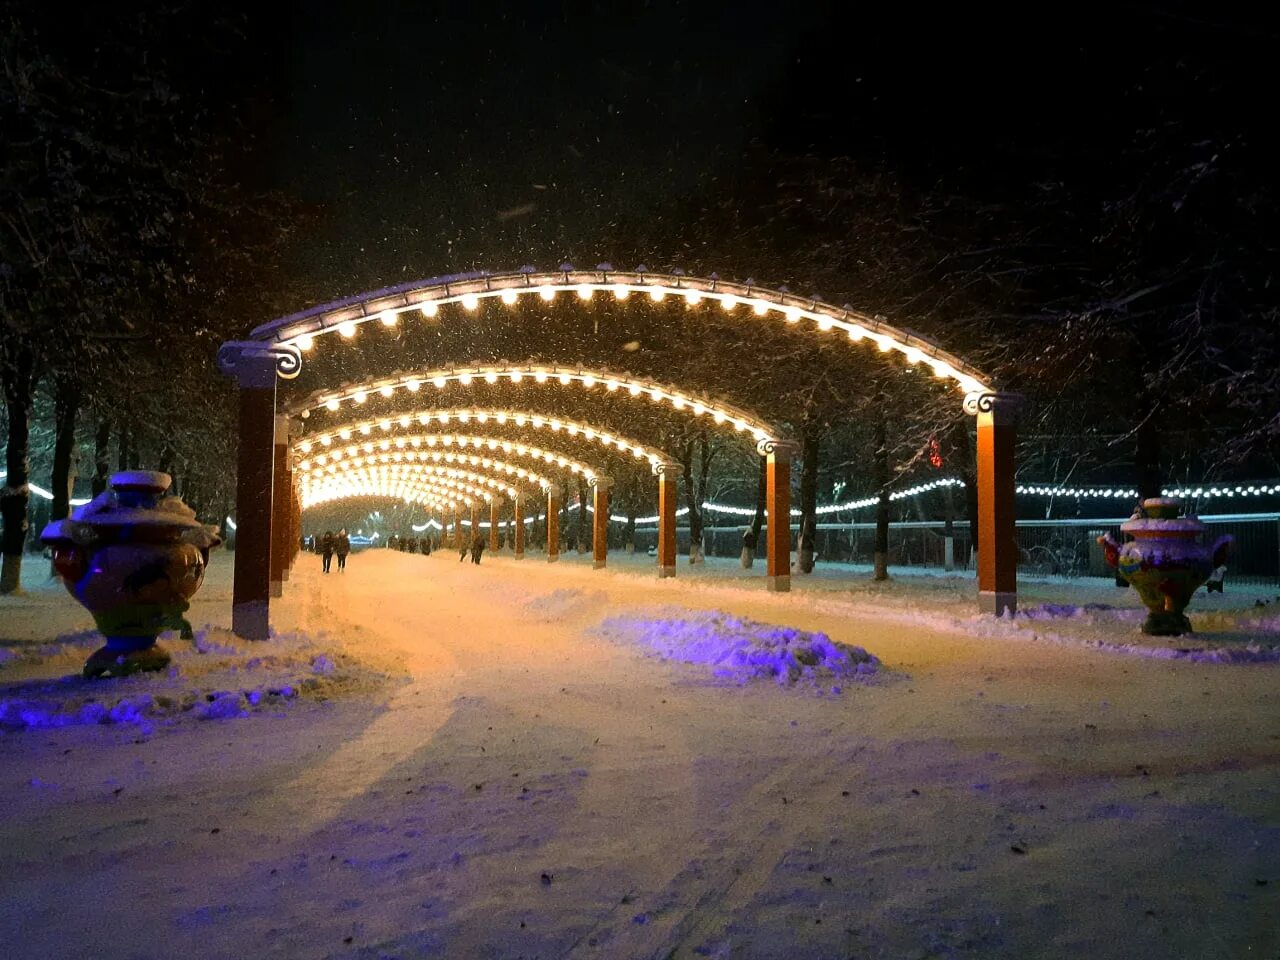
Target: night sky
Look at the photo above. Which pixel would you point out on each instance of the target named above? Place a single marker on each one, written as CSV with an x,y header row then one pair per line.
x,y
432,138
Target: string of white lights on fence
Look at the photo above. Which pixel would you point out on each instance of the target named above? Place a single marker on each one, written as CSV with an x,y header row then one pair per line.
x,y
720,413
735,299
517,418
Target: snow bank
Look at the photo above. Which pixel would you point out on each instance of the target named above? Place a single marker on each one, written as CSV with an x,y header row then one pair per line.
x,y
562,604
741,650
215,676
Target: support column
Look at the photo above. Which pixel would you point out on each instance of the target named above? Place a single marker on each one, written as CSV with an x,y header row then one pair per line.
x,y
494,504
600,521
668,496
255,367
457,528
474,532
553,524
517,513
997,543
281,490
778,454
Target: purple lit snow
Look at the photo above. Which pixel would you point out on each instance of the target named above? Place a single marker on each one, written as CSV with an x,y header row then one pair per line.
x,y
740,650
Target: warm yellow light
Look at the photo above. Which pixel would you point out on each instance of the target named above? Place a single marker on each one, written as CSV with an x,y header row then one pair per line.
x,y
305,342
508,297
728,302
760,308
439,382
547,293
347,328
490,377
657,294
413,385
430,309
388,318
692,297
540,376
588,381
515,376
465,379
331,403
470,301
585,292
386,391
621,291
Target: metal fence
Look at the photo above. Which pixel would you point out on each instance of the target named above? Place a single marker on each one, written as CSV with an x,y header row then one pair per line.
x,y
1066,548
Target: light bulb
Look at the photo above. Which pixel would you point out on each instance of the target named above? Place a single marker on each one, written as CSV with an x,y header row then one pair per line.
x,y
470,301
430,309
547,293
305,342
621,291
347,328
508,297
388,318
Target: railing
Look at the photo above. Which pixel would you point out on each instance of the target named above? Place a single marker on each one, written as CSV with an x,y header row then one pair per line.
x,y
1066,548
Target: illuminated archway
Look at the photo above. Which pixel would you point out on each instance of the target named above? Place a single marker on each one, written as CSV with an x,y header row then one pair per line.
x,y
549,375
277,350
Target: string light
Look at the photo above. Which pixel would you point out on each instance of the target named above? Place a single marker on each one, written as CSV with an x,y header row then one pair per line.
x,y
566,377
468,291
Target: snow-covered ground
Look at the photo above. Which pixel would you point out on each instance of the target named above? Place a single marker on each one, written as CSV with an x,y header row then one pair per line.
x,y
538,760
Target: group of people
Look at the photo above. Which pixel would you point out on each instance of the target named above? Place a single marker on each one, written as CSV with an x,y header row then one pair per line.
x,y
477,549
332,543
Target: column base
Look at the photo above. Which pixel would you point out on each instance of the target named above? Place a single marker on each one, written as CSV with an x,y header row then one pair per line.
x,y
552,557
664,572
597,564
249,621
997,602
519,556
277,588
780,584
284,577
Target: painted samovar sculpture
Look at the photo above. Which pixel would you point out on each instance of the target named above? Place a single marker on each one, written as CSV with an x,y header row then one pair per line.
x,y
133,558
1165,561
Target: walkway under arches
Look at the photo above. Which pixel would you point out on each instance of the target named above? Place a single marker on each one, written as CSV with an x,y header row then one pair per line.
x,y
313,441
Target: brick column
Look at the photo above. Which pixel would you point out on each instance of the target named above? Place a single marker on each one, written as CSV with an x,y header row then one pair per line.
x,y
778,455
600,521
668,496
494,504
256,367
517,513
553,524
281,493
997,543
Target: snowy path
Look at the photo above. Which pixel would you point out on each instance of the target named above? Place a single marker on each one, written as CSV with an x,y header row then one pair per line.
x,y
522,788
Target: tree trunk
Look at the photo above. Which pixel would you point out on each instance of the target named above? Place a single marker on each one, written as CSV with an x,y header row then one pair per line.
x,y
101,455
808,500
881,550
964,460
66,407
166,460
18,372
762,490
694,503
1147,454
948,532
629,534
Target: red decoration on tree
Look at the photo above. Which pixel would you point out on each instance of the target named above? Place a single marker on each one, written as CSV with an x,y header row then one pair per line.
x,y
935,453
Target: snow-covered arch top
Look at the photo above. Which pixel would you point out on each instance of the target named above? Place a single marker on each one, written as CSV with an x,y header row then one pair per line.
x,y
299,331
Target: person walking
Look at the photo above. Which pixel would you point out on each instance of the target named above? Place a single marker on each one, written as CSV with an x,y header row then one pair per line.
x,y
342,546
477,548
327,544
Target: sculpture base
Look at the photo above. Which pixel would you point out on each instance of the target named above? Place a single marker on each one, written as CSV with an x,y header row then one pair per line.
x,y
115,662
1166,624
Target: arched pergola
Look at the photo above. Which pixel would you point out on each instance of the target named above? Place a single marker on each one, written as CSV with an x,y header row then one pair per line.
x,y
269,507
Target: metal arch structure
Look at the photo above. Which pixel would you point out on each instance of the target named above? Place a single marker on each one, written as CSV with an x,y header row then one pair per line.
x,y
521,420
477,483
550,375
299,331
413,455
267,502
439,447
